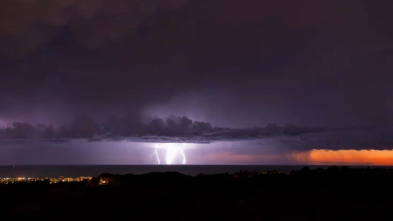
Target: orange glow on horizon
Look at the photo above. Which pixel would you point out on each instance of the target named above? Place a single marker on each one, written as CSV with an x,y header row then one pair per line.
x,y
347,157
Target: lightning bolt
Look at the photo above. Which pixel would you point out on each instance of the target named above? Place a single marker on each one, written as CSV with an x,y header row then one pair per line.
x,y
171,152
184,156
157,157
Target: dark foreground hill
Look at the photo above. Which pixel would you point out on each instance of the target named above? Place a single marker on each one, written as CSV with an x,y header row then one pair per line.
x,y
338,193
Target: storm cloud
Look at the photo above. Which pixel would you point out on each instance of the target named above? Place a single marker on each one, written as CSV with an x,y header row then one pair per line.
x,y
234,64
181,129
174,127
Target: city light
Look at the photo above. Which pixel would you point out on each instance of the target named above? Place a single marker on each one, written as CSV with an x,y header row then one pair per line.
x,y
52,180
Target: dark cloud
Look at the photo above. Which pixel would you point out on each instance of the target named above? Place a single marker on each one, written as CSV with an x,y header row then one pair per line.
x,y
150,128
28,25
271,138
360,138
311,63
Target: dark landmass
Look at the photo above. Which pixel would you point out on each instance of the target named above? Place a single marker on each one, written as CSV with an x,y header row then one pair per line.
x,y
337,193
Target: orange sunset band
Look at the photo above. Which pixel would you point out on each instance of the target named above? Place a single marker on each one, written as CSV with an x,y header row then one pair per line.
x,y
351,157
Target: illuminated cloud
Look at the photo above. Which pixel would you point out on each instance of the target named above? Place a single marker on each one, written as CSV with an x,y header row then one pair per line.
x,y
3,124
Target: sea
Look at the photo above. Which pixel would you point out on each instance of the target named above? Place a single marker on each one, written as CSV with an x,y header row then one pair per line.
x,y
42,171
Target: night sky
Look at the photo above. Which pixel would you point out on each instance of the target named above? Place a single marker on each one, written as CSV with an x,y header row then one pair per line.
x,y
133,68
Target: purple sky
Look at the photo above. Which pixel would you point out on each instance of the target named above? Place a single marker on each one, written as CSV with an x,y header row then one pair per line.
x,y
230,63
320,63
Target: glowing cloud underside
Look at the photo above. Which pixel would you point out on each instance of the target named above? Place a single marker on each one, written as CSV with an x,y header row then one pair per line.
x,y
174,153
